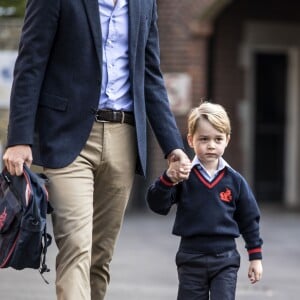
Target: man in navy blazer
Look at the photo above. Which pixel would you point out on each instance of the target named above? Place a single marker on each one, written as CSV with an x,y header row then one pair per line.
x,y
86,80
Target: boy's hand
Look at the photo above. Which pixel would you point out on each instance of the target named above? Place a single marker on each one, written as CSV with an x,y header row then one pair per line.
x,y
255,270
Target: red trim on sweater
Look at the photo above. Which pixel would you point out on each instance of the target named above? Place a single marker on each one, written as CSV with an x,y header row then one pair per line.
x,y
165,182
205,182
255,250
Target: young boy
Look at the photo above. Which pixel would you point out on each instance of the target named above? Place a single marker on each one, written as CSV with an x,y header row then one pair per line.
x,y
214,206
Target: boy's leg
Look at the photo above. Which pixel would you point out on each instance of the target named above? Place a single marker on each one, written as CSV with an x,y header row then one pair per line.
x,y
113,182
223,273
192,276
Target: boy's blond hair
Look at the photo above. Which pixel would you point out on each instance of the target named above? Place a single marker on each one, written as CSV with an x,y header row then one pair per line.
x,y
214,113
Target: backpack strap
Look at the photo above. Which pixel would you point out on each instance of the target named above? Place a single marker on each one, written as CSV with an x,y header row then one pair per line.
x,y
47,242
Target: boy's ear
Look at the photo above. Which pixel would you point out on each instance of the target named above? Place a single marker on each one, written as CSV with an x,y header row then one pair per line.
x,y
228,139
190,140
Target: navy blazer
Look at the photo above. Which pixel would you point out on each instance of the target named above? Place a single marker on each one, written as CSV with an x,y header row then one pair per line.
x,y
57,80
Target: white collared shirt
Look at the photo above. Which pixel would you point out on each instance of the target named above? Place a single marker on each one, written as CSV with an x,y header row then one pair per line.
x,y
115,88
221,165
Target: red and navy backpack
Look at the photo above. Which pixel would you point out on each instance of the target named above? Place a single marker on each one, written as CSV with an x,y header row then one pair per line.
x,y
23,226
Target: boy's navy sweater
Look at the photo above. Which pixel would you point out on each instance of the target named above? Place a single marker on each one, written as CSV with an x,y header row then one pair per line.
x,y
210,215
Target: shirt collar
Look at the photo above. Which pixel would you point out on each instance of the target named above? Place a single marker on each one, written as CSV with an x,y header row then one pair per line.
x,y
221,165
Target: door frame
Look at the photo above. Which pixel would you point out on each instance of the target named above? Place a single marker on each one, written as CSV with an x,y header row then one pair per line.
x,y
268,43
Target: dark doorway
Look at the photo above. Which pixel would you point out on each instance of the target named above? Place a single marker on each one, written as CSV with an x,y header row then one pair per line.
x,y
270,103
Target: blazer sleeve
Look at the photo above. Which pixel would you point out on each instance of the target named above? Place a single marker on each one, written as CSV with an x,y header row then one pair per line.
x,y
157,104
38,32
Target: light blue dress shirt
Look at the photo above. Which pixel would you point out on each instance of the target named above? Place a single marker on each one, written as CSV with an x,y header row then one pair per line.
x,y
221,165
115,89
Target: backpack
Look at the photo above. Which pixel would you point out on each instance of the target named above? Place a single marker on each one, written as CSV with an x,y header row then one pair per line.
x,y
23,226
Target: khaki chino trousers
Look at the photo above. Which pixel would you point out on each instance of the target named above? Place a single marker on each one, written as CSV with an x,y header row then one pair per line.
x,y
89,198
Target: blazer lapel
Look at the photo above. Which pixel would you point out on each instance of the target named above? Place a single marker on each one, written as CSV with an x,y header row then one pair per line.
x,y
134,17
92,10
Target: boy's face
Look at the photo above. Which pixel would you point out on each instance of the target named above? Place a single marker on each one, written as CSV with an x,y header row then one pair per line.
x,y
208,143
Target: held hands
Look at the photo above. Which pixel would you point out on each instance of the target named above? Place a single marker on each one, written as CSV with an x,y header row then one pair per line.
x,y
179,166
255,271
15,157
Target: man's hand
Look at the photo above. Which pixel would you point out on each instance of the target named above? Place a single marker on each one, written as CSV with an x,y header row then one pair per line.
x,y
255,270
14,158
181,169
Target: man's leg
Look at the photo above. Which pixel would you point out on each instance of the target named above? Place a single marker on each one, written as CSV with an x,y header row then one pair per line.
x,y
71,195
113,183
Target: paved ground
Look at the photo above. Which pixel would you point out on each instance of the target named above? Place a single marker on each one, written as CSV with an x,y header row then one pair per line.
x,y
143,267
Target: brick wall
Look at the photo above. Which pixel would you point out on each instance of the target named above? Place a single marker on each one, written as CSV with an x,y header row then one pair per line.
x,y
183,49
